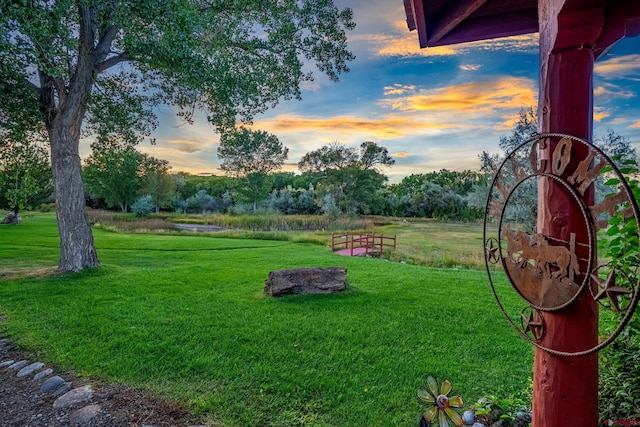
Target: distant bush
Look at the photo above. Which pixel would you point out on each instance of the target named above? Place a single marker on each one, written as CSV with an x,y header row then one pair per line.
x,y
143,206
178,205
201,202
47,207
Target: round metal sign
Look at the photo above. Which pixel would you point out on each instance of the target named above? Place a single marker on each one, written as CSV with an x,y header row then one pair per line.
x,y
548,270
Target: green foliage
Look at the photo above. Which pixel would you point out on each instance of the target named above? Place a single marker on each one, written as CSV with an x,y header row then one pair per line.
x,y
25,175
252,155
216,186
461,183
372,155
619,372
620,361
494,408
143,206
292,201
331,156
202,202
338,156
351,183
444,195
112,171
355,190
156,181
119,173
231,59
245,152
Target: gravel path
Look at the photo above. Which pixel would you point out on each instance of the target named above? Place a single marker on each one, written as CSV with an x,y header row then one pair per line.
x,y
32,394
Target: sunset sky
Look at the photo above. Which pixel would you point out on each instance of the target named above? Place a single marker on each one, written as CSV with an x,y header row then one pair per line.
x,y
432,108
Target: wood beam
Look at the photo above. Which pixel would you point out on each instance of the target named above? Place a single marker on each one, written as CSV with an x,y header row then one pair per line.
x,y
579,29
622,19
408,11
452,15
491,27
416,9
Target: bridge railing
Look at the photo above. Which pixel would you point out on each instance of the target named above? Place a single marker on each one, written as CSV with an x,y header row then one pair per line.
x,y
370,242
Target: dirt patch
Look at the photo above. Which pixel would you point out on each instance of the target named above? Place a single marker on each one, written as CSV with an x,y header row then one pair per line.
x,y
22,404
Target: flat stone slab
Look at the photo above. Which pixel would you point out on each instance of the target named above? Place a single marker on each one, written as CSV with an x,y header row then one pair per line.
x,y
6,363
29,369
64,388
19,365
73,397
306,280
82,416
40,375
51,384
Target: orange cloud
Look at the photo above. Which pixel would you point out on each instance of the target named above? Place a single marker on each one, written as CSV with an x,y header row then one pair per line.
x,y
635,125
470,98
600,113
387,127
401,154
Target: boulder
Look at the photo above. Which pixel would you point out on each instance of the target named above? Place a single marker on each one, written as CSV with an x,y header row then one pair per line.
x,y
307,280
12,218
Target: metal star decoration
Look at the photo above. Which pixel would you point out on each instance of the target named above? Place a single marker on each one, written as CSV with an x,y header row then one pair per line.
x,y
531,323
609,289
492,250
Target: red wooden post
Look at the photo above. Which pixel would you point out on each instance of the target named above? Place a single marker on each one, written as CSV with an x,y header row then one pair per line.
x,y
573,33
351,244
565,389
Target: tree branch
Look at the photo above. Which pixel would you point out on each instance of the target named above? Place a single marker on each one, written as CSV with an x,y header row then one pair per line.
x,y
110,62
33,86
107,35
87,27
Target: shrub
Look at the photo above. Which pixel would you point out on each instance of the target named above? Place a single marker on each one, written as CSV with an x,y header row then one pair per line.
x,y
201,202
178,205
619,372
619,387
143,206
47,207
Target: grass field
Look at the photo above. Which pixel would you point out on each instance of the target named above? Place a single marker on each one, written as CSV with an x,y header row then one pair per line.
x,y
185,317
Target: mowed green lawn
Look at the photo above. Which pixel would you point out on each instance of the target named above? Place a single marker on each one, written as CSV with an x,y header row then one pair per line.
x,y
185,317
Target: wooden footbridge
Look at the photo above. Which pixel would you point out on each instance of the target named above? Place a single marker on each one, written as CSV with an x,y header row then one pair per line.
x,y
355,244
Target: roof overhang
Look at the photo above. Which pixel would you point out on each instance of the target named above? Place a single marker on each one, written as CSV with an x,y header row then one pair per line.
x,y
445,22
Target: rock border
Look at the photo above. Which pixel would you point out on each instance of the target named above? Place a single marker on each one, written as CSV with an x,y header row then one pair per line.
x,y
74,406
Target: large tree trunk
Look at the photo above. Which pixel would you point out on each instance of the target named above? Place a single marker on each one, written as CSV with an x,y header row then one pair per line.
x,y
77,248
64,108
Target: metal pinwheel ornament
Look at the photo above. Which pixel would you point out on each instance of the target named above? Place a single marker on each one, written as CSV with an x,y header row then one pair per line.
x,y
439,404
